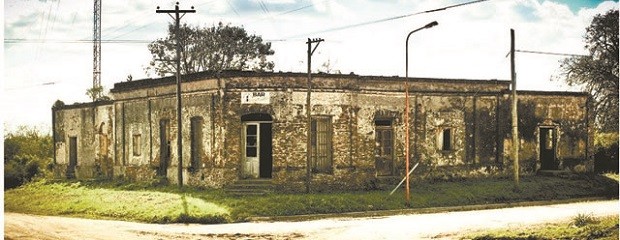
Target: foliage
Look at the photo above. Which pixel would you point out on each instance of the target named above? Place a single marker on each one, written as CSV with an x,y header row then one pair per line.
x,y
589,228
606,157
96,94
598,73
134,200
582,220
217,48
27,154
72,198
605,140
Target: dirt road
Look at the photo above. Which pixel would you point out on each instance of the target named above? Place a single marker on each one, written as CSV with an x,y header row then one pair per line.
x,y
416,226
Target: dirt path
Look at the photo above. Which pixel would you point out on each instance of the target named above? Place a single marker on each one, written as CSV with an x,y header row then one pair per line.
x,y
416,226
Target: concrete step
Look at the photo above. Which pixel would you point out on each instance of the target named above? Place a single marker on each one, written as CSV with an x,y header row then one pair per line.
x,y
250,187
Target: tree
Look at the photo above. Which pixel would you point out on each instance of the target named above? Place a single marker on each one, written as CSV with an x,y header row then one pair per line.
x,y
28,153
217,48
96,94
598,73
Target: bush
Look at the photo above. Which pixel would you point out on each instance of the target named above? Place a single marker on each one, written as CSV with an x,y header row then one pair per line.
x,y
606,155
27,152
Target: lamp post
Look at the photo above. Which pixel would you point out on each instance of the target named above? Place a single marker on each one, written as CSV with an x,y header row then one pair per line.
x,y
430,25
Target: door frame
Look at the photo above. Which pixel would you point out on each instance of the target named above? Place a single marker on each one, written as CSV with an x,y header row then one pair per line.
x,y
73,157
386,160
260,124
555,161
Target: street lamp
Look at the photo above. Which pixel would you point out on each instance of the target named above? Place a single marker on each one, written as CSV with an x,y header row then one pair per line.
x,y
430,25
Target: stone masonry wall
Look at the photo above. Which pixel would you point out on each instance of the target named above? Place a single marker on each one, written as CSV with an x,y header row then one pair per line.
x,y
474,115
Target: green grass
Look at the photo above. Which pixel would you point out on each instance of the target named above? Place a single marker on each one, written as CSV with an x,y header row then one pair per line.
x,y
73,199
149,203
593,228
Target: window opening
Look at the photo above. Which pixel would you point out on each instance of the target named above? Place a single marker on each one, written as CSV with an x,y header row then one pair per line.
x,y
446,139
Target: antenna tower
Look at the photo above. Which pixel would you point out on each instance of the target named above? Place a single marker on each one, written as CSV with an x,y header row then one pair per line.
x,y
97,45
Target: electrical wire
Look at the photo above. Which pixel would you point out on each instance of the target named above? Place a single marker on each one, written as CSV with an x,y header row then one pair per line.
x,y
551,53
390,18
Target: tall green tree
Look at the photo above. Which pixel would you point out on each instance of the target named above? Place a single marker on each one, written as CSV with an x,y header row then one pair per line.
x,y
598,73
216,48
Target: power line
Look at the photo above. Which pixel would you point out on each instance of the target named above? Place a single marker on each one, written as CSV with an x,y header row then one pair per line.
x,y
391,18
552,53
65,41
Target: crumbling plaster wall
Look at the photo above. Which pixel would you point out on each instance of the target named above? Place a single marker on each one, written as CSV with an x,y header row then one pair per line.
x,y
476,112
92,126
567,114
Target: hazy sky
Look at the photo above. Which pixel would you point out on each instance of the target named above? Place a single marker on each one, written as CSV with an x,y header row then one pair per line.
x,y
48,51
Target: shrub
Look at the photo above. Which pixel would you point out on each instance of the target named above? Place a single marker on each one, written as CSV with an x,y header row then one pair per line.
x,y
606,155
582,220
27,153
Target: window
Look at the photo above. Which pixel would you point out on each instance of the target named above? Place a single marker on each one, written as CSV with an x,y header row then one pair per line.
x,y
251,140
196,142
137,150
549,139
445,140
321,144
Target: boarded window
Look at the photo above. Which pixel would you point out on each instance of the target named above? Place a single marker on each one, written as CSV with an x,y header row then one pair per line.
x,y
136,143
196,142
321,144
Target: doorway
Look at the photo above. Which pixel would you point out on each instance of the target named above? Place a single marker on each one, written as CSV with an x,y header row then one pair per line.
x,y
547,147
384,157
257,159
164,149
72,157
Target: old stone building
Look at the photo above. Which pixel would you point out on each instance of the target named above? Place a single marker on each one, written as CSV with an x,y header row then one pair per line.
x,y
247,125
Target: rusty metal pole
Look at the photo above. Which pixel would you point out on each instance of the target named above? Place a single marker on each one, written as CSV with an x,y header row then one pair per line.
x,y
407,192
309,111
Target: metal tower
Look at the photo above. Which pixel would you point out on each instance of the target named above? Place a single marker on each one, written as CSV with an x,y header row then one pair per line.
x,y
97,45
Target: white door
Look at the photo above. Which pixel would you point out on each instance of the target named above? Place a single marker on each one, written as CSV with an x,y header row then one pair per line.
x,y
251,150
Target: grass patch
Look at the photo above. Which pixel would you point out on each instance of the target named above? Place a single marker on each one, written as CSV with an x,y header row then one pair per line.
x,y
73,199
581,227
160,203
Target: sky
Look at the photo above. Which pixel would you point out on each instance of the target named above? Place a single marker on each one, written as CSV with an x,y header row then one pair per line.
x,y
48,51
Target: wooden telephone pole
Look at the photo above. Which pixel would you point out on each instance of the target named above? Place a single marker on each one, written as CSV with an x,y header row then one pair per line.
x,y
309,110
515,121
176,14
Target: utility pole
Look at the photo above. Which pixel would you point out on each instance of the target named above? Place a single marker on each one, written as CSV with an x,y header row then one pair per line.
x,y
515,121
407,171
97,49
309,110
178,14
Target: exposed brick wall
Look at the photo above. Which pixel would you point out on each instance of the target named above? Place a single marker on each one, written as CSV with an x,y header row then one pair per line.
x,y
476,113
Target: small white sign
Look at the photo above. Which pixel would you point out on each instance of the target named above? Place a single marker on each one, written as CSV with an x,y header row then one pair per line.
x,y
255,98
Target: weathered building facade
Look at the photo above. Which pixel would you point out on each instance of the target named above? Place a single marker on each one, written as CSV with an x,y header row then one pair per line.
x,y
244,125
